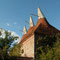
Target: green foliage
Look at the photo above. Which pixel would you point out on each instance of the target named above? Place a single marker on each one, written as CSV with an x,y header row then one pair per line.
x,y
16,50
49,49
5,43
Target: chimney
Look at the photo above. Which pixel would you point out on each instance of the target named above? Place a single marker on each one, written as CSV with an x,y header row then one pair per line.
x,y
25,30
40,14
31,22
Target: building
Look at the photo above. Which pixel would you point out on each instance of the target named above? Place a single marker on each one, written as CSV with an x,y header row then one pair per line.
x,y
29,37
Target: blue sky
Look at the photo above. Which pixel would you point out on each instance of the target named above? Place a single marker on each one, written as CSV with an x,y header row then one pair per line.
x,y
13,13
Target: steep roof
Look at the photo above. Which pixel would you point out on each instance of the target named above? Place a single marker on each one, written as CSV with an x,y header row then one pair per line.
x,y
43,27
29,33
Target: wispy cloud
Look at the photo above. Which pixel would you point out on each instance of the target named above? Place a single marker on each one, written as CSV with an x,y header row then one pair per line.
x,y
15,23
8,24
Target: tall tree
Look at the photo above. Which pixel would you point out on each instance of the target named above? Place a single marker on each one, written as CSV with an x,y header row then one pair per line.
x,y
5,43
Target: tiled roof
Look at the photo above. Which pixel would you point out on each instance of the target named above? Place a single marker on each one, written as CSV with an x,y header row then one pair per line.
x,y
42,26
29,33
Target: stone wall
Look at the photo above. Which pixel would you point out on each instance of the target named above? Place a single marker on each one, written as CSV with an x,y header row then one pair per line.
x,y
28,47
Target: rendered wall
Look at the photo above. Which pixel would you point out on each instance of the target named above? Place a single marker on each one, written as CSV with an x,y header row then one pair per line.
x,y
28,47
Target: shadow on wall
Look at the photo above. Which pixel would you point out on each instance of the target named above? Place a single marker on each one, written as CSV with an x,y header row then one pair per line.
x,y
17,58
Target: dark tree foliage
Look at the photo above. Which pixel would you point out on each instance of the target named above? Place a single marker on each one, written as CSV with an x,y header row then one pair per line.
x,y
48,48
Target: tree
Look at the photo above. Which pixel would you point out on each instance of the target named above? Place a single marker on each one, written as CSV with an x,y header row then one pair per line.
x,y
5,43
16,50
49,51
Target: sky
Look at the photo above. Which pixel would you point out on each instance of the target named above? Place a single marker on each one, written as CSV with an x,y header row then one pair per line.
x,y
13,13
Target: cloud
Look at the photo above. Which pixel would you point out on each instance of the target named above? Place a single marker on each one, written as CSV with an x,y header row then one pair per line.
x,y
15,34
15,23
8,24
2,33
